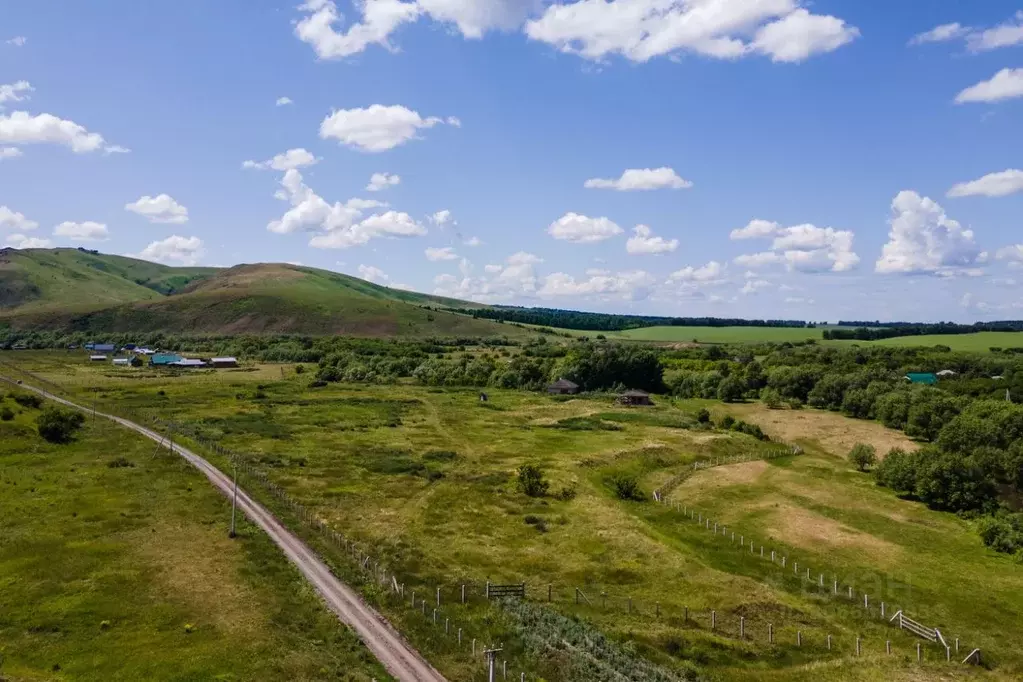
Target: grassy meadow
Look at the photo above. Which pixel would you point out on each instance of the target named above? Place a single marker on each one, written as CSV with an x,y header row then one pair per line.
x,y
116,565
427,477
980,342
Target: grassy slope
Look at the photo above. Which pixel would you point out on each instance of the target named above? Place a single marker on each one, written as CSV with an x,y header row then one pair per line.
x,y
70,289
144,549
359,449
71,279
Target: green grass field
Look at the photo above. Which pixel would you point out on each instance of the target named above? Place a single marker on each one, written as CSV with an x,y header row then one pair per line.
x,y
980,342
426,476
127,573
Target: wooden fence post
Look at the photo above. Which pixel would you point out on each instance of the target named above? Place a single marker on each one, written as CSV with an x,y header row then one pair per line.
x,y
463,594
858,646
742,627
770,633
713,620
829,642
799,638
888,647
918,656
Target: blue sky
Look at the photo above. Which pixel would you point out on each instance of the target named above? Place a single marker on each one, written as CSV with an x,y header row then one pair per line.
x,y
775,158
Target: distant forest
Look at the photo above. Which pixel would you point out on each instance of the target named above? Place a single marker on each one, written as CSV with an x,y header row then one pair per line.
x,y
605,322
872,331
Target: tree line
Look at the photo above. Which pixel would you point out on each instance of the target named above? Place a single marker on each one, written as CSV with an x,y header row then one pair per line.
x,y
874,331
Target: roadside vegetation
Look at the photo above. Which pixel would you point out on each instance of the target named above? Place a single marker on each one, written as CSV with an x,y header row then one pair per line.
x,y
116,565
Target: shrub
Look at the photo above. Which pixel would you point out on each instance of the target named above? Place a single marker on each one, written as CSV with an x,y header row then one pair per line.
x,y
6,414
627,488
30,400
953,482
750,430
897,471
567,493
727,422
531,480
1002,533
299,369
863,456
731,389
538,522
120,463
703,416
772,399
58,425
319,383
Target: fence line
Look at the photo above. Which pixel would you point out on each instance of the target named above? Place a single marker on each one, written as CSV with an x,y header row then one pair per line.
x,y
359,554
930,634
675,481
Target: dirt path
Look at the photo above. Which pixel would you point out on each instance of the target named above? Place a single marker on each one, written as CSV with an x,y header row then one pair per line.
x,y
390,648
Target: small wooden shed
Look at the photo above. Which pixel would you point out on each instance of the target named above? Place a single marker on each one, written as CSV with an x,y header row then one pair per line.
x,y
563,387
635,397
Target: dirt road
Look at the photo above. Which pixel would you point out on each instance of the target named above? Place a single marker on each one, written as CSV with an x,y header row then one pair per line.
x,y
390,648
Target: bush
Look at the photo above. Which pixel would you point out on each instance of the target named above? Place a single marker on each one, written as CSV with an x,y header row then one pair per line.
x,y
727,422
627,488
731,389
703,416
30,400
58,425
953,482
771,398
1002,533
6,414
538,522
897,471
120,463
750,430
299,369
863,456
567,493
531,480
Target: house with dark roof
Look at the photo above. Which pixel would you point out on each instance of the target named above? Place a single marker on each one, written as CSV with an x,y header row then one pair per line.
x,y
563,387
634,397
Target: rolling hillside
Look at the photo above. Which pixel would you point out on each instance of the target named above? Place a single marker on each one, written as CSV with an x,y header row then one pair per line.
x,y
81,290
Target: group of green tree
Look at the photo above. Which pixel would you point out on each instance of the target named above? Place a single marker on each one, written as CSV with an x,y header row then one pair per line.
x,y
972,460
605,322
873,331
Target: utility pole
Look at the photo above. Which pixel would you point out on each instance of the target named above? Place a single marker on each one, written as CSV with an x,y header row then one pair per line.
x,y
491,655
234,503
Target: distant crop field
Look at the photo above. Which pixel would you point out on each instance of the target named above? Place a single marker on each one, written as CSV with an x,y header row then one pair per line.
x,y
427,476
981,342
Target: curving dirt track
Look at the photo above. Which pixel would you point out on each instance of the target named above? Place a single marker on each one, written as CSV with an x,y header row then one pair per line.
x,y
390,648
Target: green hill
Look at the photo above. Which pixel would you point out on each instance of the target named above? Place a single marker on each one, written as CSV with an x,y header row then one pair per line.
x,y
79,290
77,279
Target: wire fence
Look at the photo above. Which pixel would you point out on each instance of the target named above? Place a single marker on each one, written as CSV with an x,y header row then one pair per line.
x,y
441,605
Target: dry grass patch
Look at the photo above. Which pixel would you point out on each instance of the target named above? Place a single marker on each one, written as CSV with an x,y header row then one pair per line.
x,y
806,529
835,433
201,570
725,476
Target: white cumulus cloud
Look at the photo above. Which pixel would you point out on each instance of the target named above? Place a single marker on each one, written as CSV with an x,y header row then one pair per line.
x,y
442,218
515,278
380,18
373,274
643,241
640,30
377,128
15,92
1012,254
311,211
20,127
10,153
802,248
389,224
159,209
940,34
293,158
923,239
1006,34
631,285
635,179
381,181
174,250
1000,184
1006,84
17,41
580,229
12,220
20,241
475,17
88,231
438,254
752,286
284,101
712,272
